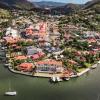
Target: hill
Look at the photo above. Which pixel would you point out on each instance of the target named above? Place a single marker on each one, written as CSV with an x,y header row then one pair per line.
x,y
48,4
68,8
18,4
88,17
93,5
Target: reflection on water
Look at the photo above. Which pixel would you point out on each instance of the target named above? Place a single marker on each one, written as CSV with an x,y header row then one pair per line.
x,y
86,87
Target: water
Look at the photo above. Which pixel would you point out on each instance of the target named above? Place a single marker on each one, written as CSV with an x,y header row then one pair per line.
x,y
86,87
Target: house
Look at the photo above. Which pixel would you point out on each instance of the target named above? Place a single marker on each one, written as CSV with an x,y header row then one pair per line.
x,y
26,67
72,62
31,50
91,34
91,40
10,40
49,66
20,57
12,32
38,55
67,73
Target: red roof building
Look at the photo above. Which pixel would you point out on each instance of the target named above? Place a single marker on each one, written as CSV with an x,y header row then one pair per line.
x,y
49,66
21,58
25,67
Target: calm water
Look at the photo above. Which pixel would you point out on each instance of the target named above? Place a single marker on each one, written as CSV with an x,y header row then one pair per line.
x,y
86,87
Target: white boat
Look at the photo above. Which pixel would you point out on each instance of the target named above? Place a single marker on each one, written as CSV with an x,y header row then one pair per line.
x,y
7,64
12,93
66,78
98,62
3,48
94,66
53,79
58,79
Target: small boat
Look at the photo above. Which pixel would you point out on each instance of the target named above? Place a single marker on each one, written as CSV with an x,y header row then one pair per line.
x,y
12,93
66,78
3,48
58,79
7,64
53,79
94,66
98,62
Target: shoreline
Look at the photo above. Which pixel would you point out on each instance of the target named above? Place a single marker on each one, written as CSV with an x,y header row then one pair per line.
x,y
46,75
88,69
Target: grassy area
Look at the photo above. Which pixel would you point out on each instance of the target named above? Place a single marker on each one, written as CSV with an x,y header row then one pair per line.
x,y
81,69
88,65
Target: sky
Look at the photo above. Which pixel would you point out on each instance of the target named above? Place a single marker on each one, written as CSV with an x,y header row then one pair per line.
x,y
66,1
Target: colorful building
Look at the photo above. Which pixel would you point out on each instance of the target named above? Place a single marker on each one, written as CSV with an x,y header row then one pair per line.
x,y
49,66
26,67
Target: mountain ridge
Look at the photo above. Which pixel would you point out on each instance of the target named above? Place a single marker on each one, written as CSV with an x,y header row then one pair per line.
x,y
48,4
18,4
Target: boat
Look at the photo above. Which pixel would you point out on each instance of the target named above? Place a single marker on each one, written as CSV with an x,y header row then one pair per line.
x,y
66,78
94,66
53,79
3,48
7,64
10,92
98,62
59,79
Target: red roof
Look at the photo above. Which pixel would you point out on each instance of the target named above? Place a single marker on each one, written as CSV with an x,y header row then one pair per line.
x,y
35,56
26,65
50,62
41,54
72,62
38,55
20,57
78,53
29,31
93,52
11,40
91,40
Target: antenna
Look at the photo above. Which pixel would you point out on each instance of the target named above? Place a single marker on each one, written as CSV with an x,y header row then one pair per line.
x,y
9,85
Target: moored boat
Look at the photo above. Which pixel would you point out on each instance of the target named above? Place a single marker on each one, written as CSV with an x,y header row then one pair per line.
x,y
59,79
66,78
7,64
11,93
94,66
53,79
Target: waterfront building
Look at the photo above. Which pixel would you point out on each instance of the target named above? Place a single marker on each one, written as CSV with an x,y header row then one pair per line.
x,y
26,67
49,66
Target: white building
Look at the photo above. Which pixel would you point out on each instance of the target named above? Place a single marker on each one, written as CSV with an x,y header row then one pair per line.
x,y
12,32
